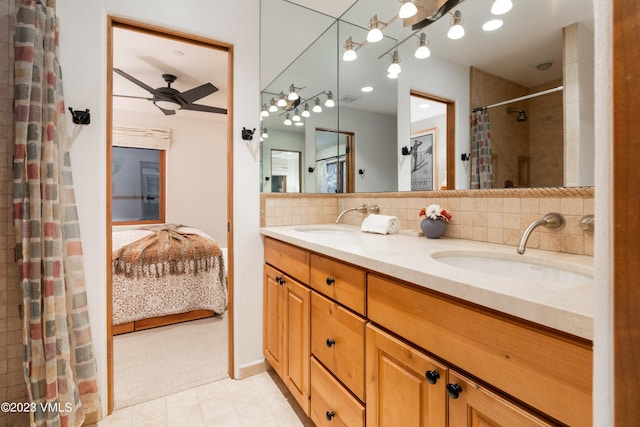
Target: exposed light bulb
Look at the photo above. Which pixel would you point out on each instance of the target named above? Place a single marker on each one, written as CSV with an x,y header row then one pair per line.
x,y
457,30
392,76
281,102
349,54
287,120
305,112
374,35
407,10
500,7
395,68
317,108
292,93
264,112
422,51
273,107
296,116
299,123
265,135
329,103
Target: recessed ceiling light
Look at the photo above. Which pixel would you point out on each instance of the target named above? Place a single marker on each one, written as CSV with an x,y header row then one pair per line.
x,y
544,66
178,52
367,89
492,25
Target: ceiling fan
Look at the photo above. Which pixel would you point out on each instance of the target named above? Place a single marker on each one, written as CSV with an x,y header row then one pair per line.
x,y
168,99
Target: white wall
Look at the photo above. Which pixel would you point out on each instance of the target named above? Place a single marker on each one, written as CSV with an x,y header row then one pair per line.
x,y
83,55
196,168
603,333
443,79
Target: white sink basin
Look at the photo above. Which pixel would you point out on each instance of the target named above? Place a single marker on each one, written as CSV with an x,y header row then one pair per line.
x,y
325,229
518,266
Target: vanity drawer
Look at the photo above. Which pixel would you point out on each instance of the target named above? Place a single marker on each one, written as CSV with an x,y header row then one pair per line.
x,y
331,404
289,258
339,281
337,340
549,370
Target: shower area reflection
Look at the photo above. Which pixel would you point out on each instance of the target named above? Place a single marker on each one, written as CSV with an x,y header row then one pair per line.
x,y
526,128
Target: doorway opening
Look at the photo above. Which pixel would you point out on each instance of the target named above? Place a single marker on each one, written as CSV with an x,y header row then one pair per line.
x,y
433,133
171,92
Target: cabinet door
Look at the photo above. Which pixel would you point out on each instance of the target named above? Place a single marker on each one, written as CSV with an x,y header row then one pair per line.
x,y
404,386
470,404
296,341
272,322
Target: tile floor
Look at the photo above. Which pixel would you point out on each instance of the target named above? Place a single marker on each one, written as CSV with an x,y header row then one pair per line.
x,y
260,400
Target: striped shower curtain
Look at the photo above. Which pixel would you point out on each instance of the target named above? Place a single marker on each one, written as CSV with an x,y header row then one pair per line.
x,y
481,168
59,361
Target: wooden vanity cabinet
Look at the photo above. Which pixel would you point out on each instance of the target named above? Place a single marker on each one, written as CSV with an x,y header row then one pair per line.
x,y
544,369
286,317
405,387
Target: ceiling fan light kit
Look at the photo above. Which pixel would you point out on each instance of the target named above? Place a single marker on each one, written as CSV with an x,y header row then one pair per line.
x,y
169,100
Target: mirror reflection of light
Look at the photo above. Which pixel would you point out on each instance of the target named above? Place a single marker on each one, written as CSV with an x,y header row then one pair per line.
x,y
500,7
492,25
367,89
423,105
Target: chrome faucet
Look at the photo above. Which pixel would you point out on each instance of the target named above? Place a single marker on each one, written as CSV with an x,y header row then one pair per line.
x,y
552,221
363,208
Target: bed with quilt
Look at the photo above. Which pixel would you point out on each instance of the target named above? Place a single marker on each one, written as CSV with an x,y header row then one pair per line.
x,y
165,274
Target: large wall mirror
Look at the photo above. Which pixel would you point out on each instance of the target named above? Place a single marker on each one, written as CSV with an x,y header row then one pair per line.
x,y
533,82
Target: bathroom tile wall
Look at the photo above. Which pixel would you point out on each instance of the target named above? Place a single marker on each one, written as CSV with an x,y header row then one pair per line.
x,y
12,386
486,216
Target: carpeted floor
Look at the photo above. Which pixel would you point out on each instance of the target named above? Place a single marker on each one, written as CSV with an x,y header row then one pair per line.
x,y
157,362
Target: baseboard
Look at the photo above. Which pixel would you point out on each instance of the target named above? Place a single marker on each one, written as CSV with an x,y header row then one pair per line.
x,y
251,369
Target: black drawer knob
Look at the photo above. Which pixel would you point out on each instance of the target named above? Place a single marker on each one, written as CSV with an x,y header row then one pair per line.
x,y
454,390
330,415
330,342
280,280
432,377
330,281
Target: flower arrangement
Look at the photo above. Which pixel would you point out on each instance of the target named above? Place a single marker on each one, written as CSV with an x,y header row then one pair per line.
x,y
435,212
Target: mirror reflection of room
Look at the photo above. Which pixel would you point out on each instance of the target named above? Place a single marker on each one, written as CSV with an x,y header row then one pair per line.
x,y
553,147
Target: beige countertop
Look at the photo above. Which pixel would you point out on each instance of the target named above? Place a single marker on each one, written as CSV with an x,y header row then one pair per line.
x,y
565,307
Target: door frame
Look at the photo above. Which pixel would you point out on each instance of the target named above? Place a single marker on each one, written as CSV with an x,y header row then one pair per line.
x,y
113,22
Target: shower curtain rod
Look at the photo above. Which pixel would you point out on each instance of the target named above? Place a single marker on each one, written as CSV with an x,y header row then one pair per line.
x,y
522,98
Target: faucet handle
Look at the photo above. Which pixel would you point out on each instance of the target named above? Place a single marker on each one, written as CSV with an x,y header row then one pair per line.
x,y
373,209
553,221
587,223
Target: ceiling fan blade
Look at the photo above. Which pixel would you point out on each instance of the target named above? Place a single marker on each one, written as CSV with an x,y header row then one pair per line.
x,y
138,82
199,92
204,108
166,112
133,97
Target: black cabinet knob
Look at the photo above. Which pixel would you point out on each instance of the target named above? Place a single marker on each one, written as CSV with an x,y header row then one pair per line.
x,y
454,390
330,342
280,280
330,281
432,376
330,415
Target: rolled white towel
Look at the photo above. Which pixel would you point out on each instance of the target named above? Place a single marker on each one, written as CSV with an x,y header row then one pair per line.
x,y
381,224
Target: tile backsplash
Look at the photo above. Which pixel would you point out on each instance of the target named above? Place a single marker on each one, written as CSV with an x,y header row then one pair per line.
x,y
494,216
